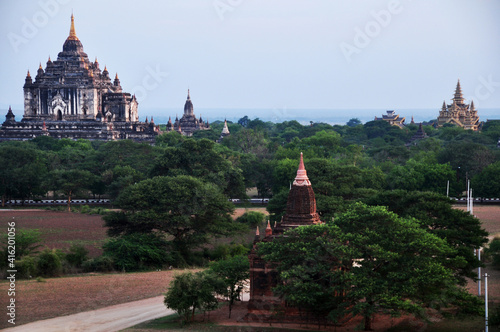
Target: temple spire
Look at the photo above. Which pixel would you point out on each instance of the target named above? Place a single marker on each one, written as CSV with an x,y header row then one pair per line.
x,y
301,179
72,33
458,98
188,97
269,230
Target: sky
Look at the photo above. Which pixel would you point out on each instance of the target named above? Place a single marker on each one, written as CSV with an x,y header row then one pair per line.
x,y
270,55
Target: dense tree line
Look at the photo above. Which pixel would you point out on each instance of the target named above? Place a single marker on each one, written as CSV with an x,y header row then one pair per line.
x,y
347,162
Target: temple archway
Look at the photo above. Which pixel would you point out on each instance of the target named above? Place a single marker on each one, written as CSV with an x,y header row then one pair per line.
x,y
59,115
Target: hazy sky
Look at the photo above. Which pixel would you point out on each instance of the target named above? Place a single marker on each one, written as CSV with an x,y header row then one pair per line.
x,y
267,53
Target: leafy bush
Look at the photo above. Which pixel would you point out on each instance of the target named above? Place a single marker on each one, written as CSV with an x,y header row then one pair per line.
x,y
133,252
224,251
77,255
252,218
26,267
99,264
494,251
191,291
48,263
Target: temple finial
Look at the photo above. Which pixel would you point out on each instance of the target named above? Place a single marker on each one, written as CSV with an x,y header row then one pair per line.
x,y
269,231
458,98
188,95
40,66
301,179
72,33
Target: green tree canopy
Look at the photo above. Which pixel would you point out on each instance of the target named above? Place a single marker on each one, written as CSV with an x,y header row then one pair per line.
x,y
436,215
22,172
487,183
185,209
368,260
200,159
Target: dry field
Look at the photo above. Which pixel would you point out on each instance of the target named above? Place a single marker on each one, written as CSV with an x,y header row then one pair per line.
x,y
60,229
489,216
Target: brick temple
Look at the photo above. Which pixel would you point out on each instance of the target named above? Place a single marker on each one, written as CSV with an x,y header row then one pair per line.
x,y
300,211
73,98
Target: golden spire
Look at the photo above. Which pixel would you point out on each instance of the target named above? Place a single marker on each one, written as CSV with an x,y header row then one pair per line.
x,y
40,67
28,74
72,33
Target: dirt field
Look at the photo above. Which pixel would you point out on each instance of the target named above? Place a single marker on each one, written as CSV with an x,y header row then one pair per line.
x,y
489,216
60,229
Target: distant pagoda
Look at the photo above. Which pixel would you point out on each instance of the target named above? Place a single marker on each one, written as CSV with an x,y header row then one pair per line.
x,y
188,123
392,118
72,98
459,113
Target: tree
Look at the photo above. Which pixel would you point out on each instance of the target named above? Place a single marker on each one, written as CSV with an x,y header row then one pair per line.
x,y
487,183
353,122
233,272
22,172
493,249
187,210
368,260
313,267
421,176
200,159
70,182
120,177
436,215
396,266
191,291
244,121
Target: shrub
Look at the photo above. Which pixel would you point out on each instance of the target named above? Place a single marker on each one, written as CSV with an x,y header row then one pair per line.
x,y
26,267
48,263
224,251
252,218
133,252
99,264
77,255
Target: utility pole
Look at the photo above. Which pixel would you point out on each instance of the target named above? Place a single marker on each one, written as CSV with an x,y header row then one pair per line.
x,y
479,272
486,302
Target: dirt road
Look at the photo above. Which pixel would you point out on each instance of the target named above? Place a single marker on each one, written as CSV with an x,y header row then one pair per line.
x,y
113,318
